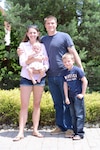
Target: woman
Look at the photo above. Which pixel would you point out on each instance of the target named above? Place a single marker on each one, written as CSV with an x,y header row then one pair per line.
x,y
26,85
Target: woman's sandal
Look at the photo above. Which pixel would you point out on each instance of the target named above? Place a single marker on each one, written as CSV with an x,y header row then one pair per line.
x,y
18,138
37,134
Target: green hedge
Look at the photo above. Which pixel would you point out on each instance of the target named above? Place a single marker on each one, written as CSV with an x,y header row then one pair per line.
x,y
10,106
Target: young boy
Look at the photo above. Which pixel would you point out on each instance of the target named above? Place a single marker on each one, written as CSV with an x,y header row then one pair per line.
x,y
75,84
37,65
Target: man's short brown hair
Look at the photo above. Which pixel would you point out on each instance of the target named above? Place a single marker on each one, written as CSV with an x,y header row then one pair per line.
x,y
51,17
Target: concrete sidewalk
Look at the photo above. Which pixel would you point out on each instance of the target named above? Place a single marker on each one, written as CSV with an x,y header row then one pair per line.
x,y
91,141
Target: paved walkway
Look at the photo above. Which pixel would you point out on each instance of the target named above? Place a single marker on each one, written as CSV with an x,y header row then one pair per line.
x,y
49,142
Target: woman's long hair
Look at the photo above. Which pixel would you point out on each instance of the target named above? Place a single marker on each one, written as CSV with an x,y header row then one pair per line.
x,y
26,39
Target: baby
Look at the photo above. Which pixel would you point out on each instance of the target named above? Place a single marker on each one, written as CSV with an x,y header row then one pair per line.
x,y
38,64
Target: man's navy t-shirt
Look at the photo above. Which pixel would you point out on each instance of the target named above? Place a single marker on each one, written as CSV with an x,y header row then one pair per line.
x,y
56,47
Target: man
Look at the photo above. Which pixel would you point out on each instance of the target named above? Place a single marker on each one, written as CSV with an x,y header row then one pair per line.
x,y
57,44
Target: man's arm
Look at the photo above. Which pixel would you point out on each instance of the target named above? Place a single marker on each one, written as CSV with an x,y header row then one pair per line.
x,y
73,51
84,85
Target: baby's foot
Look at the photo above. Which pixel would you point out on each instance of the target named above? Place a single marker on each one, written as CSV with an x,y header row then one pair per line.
x,y
34,81
39,80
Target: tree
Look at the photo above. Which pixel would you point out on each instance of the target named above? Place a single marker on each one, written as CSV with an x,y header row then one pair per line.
x,y
80,18
2,34
2,46
8,67
89,33
42,8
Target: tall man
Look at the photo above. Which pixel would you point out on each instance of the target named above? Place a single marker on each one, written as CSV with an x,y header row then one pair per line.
x,y
57,44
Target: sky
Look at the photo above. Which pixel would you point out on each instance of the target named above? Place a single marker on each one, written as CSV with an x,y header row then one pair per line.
x,y
2,3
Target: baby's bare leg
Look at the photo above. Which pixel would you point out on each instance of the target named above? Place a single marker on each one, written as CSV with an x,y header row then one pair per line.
x,y
41,75
30,71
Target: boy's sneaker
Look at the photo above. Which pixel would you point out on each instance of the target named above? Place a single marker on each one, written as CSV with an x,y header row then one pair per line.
x,y
77,137
69,133
57,130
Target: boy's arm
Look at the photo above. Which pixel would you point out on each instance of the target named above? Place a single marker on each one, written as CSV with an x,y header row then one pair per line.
x,y
66,93
84,86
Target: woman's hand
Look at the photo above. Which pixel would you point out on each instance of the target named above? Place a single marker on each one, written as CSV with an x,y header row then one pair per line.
x,y
41,71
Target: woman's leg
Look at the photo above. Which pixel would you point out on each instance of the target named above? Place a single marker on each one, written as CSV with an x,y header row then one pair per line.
x,y
37,91
25,92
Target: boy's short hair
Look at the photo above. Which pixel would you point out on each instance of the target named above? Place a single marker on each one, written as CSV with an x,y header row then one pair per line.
x,y
67,55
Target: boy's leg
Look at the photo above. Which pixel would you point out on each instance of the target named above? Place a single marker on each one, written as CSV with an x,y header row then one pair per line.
x,y
80,115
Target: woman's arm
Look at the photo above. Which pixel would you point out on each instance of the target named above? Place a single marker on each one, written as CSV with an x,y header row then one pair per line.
x,y
30,58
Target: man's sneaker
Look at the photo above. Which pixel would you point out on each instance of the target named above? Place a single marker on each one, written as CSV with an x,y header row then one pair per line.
x,y
69,133
57,130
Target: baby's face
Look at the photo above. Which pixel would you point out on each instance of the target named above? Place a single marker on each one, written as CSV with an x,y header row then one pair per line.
x,y
36,48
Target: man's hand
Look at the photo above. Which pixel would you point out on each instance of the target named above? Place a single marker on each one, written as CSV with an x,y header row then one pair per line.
x,y
19,51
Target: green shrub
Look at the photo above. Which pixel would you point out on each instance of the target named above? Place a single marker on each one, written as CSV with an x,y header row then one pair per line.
x,y
47,110
10,106
92,102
